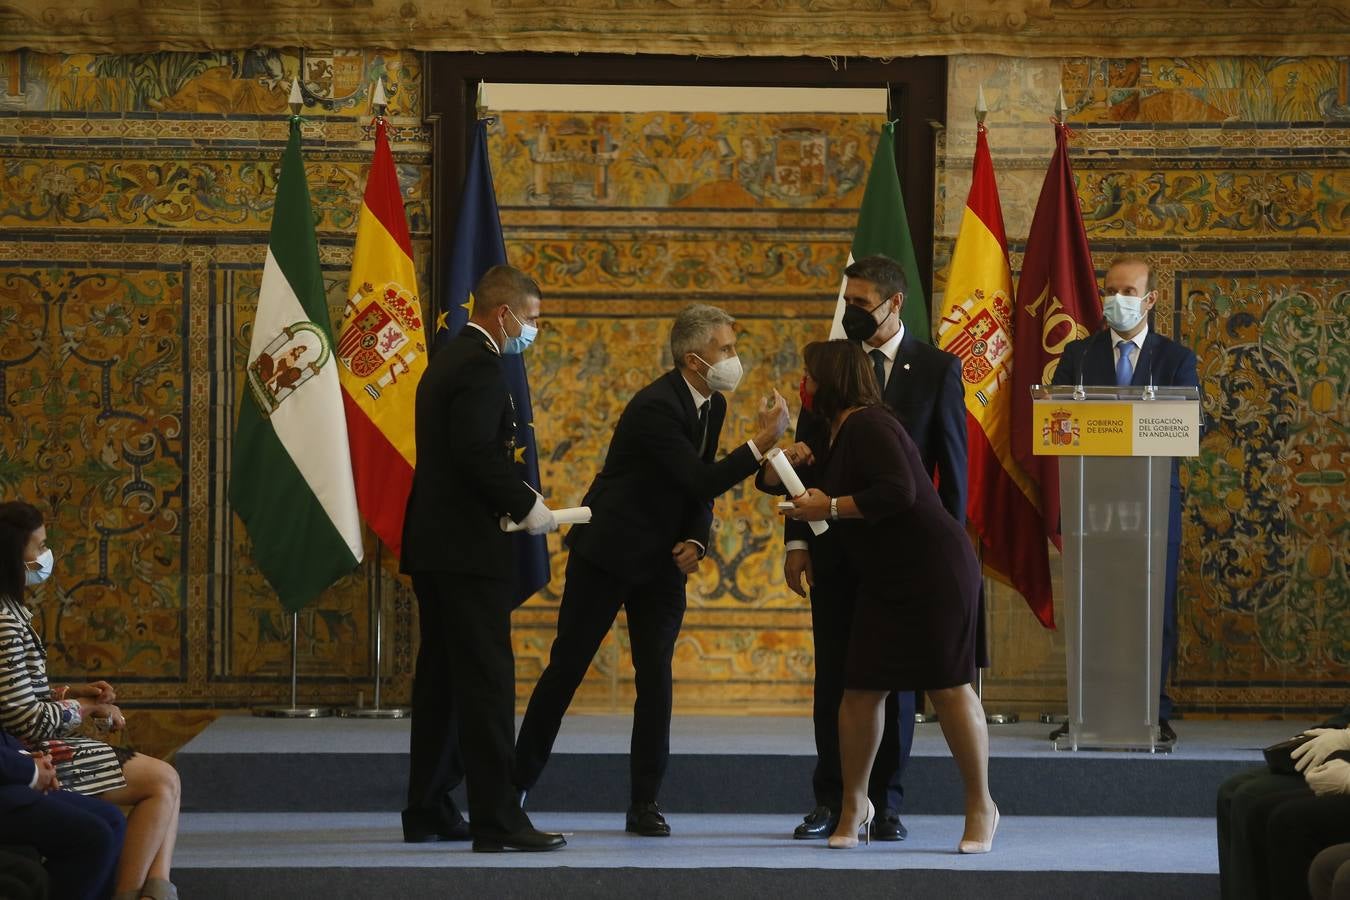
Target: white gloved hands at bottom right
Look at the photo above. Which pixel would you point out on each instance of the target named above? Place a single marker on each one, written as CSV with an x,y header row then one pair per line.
x,y
1325,741
1331,777
539,520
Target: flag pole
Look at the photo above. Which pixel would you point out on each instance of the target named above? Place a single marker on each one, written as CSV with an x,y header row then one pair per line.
x,y
375,592
294,711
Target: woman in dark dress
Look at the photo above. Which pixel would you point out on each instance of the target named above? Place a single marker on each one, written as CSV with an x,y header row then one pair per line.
x,y
914,625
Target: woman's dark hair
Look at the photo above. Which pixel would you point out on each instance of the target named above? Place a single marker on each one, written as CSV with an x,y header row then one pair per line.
x,y
843,375
18,521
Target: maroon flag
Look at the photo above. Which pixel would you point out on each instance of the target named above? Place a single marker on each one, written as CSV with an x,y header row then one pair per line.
x,y
1057,302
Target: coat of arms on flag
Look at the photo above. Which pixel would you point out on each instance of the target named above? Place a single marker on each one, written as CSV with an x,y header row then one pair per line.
x,y
381,335
290,359
983,341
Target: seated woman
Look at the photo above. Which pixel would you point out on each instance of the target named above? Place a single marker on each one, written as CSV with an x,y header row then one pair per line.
x,y
79,837
45,720
917,586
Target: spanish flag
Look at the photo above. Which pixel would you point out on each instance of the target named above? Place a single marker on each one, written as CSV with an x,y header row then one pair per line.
x,y
976,325
382,348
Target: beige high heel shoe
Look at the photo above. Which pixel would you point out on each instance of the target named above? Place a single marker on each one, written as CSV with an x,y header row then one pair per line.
x,y
846,841
980,846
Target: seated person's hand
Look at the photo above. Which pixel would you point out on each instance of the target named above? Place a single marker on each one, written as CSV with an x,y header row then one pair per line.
x,y
107,716
98,691
1332,777
1325,742
46,773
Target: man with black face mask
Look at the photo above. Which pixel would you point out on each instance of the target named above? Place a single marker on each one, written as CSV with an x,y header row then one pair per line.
x,y
922,385
1128,352
651,509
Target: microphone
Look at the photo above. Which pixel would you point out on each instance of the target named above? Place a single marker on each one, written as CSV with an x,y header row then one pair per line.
x,y
1149,392
1079,393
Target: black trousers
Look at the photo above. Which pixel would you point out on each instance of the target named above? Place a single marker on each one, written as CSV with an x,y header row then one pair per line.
x,y
1299,829
464,701
590,602
80,837
21,874
832,602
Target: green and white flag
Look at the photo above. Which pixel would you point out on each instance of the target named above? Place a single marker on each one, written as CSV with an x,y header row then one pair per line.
x,y
291,470
883,228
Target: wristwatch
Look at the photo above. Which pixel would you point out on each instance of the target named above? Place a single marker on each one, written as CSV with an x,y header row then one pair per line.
x,y
834,508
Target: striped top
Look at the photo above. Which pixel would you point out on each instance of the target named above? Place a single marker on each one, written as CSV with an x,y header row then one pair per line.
x,y
27,709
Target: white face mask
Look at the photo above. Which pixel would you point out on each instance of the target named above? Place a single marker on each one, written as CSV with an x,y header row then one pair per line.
x,y
34,577
1122,311
724,375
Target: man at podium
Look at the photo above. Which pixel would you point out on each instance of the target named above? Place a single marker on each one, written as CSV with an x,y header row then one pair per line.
x,y
1129,352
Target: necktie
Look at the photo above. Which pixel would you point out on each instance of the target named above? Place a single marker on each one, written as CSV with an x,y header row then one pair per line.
x,y
1124,365
879,364
703,427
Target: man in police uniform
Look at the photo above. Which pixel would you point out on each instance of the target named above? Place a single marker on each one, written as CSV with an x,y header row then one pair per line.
x,y
461,563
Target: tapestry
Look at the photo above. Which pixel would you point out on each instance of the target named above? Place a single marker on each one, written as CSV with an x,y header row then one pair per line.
x,y
876,28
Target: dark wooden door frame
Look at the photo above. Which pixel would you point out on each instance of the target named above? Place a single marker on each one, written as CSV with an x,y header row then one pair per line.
x,y
917,90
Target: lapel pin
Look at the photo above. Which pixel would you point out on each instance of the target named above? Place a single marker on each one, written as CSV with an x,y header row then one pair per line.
x,y
906,367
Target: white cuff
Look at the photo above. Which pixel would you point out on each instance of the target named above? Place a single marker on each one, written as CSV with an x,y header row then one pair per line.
x,y
797,545
33,784
759,457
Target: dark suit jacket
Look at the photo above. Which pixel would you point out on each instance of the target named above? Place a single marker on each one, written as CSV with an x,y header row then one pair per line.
x,y
929,399
16,773
655,489
1092,360
465,478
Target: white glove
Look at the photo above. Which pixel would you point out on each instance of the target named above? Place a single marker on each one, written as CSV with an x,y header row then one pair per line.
x,y
1325,742
1331,777
539,520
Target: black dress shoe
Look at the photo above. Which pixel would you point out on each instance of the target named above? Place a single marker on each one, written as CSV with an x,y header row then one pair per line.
x,y
646,819
888,827
420,827
1060,732
818,825
525,840
1165,732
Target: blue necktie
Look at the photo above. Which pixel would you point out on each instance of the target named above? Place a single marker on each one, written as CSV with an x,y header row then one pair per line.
x,y
1124,367
879,366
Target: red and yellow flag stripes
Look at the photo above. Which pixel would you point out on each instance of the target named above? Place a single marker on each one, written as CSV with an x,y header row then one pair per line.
x,y
382,346
976,325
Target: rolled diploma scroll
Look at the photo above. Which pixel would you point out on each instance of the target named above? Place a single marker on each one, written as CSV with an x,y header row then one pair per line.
x,y
573,515
788,476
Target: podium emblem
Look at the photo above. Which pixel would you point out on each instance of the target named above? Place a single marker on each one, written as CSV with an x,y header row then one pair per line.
x,y
1060,429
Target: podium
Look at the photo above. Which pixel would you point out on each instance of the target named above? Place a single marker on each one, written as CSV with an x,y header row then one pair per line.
x,y
1118,445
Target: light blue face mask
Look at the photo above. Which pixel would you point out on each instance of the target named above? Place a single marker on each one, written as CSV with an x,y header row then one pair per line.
x,y
518,342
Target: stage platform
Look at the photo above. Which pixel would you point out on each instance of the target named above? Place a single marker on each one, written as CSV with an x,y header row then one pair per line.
x,y
308,808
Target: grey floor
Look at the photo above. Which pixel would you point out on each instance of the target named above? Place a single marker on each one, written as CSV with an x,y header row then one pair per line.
x,y
596,840
1202,739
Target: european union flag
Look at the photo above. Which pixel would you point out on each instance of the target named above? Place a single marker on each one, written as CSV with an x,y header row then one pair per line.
x,y
478,247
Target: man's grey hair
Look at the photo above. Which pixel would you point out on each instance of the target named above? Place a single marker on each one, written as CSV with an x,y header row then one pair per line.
x,y
693,329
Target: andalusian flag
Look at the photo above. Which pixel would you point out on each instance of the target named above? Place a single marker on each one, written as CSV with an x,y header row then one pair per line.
x,y
883,229
382,350
976,325
291,472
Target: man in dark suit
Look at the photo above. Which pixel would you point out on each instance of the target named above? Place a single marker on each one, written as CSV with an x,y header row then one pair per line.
x,y
922,385
80,837
651,508
462,563
1128,352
